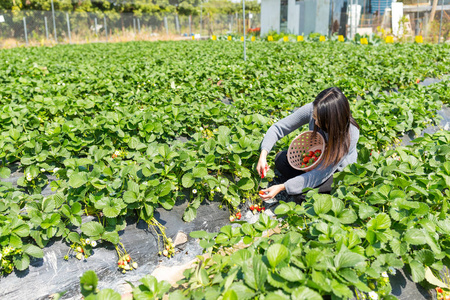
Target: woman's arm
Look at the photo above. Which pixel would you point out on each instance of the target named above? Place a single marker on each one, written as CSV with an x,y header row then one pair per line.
x,y
286,125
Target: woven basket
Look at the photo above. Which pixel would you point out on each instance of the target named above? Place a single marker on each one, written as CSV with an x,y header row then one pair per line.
x,y
304,142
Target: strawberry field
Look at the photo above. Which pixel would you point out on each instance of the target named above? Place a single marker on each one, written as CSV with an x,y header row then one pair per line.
x,y
121,131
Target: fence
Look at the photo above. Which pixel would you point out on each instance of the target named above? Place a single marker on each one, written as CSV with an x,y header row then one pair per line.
x,y
45,27
383,17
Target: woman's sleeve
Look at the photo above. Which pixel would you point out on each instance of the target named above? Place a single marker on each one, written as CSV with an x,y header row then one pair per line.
x,y
285,126
311,179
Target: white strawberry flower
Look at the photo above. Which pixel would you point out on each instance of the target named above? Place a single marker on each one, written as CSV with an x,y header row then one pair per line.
x,y
117,152
218,189
56,170
194,191
384,274
88,241
373,295
29,177
93,244
392,270
42,170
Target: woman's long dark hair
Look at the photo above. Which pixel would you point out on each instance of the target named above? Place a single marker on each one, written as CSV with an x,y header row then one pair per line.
x,y
333,114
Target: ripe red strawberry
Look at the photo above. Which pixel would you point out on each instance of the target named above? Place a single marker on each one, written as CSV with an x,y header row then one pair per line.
x,y
439,290
263,209
259,209
238,215
311,153
262,193
252,207
306,159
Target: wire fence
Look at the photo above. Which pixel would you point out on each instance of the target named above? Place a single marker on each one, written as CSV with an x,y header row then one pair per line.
x,y
45,27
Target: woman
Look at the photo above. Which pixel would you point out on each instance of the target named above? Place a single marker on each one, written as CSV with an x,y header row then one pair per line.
x,y
328,115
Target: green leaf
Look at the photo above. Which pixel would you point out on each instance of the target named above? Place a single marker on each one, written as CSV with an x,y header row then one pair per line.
x,y
88,283
198,234
22,230
246,184
5,172
21,262
346,259
112,237
189,214
292,274
92,228
276,254
200,172
381,221
429,276
108,294
129,197
187,180
77,179
32,250
414,236
366,211
417,271
304,293
322,203
230,295
282,209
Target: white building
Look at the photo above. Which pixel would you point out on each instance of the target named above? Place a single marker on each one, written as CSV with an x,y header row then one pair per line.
x,y
346,17
297,17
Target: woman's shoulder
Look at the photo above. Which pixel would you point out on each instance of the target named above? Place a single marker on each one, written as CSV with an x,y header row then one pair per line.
x,y
305,109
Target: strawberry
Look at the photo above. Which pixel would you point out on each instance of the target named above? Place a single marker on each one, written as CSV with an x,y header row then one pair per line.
x,y
263,209
238,215
252,207
439,290
231,220
259,209
311,153
262,193
306,159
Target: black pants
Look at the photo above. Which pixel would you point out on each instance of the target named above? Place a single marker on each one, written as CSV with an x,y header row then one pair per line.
x,y
288,172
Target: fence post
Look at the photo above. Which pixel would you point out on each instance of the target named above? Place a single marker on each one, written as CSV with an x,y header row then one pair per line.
x,y
139,25
190,25
46,27
177,23
95,24
165,25
134,26
106,29
440,24
243,26
68,28
25,29
54,22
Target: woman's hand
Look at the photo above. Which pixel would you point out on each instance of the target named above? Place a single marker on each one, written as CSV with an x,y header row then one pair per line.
x,y
262,165
271,192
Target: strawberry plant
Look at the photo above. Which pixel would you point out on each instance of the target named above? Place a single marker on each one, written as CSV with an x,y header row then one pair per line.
x,y
120,135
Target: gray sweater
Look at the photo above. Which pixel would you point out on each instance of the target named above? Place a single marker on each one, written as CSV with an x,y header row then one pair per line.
x,y
317,176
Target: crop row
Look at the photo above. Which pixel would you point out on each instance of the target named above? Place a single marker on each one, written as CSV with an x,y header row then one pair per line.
x,y
127,128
